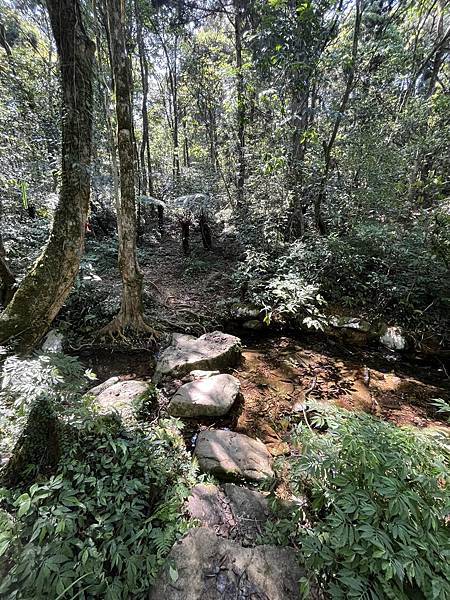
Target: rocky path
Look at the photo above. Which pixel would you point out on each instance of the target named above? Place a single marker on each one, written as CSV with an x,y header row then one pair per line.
x,y
235,410
221,558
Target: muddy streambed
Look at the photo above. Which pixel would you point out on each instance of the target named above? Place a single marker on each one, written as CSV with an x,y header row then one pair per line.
x,y
279,374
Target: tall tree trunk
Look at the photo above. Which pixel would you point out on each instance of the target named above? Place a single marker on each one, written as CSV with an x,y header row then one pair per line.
x,y
423,162
238,26
105,91
186,156
7,278
146,170
176,115
329,145
131,310
46,286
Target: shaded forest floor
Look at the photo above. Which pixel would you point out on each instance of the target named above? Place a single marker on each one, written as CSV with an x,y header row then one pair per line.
x,y
280,372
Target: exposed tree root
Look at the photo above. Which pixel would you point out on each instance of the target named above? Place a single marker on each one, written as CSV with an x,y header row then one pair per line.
x,y
181,324
120,326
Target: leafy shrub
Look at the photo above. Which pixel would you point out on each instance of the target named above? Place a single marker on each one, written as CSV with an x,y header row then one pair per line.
x,y
405,269
88,308
279,290
102,524
56,377
397,266
101,256
378,500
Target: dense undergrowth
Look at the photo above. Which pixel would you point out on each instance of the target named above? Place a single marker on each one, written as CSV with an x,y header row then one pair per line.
x,y
405,270
375,522
102,523
372,524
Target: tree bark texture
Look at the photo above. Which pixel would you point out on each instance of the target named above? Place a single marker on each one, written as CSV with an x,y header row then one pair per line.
x,y
238,26
46,286
131,310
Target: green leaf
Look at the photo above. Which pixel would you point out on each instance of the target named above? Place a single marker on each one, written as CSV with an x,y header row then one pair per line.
x,y
173,574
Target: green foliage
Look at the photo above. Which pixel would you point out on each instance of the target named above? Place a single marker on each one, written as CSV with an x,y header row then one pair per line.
x,y
56,377
399,267
101,525
272,286
404,269
443,408
378,502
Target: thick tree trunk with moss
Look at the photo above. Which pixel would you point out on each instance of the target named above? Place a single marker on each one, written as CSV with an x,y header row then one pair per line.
x,y
8,281
131,310
44,289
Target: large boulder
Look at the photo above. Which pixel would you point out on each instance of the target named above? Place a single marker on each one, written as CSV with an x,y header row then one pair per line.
x,y
214,350
122,397
209,397
204,566
231,455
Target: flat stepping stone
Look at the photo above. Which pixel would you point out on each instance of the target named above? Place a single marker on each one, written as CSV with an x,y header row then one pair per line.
x,y
251,511
208,504
204,566
209,397
122,397
230,511
231,455
211,351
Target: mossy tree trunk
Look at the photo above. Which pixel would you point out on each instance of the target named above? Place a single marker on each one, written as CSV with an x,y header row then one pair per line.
x,y
8,281
46,286
131,314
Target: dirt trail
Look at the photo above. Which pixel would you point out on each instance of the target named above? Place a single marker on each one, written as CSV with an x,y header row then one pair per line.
x,y
187,290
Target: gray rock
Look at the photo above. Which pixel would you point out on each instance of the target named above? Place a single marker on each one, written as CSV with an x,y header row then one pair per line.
x,y
98,389
244,312
122,397
54,341
203,566
250,510
209,505
350,323
214,350
199,374
351,329
230,511
394,339
230,455
210,397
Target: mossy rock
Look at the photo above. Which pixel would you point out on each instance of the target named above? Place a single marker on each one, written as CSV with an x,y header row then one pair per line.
x,y
38,444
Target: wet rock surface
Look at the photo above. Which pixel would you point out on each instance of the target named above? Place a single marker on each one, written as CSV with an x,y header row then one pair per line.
x,y
209,397
204,566
230,455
